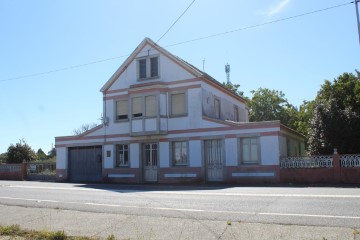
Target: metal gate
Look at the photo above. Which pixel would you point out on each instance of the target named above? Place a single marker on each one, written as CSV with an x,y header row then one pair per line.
x,y
213,160
150,151
85,164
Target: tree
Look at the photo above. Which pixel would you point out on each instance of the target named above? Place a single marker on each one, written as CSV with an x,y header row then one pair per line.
x,y
40,154
344,91
52,153
234,88
20,152
269,105
336,119
84,128
332,127
3,157
304,116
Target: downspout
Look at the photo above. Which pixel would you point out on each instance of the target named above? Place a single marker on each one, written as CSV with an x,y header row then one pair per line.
x,y
104,122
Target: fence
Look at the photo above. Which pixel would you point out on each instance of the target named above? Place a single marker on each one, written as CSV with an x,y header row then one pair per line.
x,y
321,169
28,171
41,171
12,171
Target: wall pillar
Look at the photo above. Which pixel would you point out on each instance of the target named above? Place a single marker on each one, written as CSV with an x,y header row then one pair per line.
x,y
336,166
24,170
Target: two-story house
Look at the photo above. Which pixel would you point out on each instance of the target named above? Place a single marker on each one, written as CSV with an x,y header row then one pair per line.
x,y
166,121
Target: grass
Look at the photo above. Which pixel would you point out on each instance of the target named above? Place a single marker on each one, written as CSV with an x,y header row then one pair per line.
x,y
16,231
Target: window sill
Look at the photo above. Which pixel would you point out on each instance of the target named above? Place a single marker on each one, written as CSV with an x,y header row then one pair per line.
x,y
119,167
250,164
148,78
121,120
179,115
180,165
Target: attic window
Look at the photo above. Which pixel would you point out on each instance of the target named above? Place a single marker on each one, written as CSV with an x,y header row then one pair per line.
x,y
148,67
142,68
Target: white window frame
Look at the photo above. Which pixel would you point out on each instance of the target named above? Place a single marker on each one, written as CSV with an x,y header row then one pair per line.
x,y
117,155
241,147
186,104
173,152
148,67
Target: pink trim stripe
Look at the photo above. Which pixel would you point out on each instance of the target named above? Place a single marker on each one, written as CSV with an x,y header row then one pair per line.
x,y
264,134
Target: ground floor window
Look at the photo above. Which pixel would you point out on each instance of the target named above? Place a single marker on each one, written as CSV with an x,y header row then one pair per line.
x,y
180,153
249,150
122,155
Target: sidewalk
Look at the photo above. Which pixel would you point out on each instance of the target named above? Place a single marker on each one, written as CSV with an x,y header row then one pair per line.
x,y
77,223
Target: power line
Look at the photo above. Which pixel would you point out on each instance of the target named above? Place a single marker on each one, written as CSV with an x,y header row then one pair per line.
x,y
180,43
62,69
176,21
260,24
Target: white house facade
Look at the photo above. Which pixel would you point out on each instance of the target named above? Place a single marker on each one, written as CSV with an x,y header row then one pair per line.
x,y
166,121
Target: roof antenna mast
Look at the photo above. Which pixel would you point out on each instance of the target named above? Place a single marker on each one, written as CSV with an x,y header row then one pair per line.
x,y
227,70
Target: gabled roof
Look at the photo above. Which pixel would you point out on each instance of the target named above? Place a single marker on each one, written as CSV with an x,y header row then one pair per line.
x,y
187,66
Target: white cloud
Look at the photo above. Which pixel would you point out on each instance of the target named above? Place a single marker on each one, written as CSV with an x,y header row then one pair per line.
x,y
277,8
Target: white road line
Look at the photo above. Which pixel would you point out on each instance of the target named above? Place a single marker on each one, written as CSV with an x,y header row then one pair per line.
x,y
198,192
188,210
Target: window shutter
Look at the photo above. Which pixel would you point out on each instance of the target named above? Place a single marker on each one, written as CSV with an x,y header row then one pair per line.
x,y
136,107
150,105
122,109
178,104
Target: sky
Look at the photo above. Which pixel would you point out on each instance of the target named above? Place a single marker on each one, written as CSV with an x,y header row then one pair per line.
x,y
52,37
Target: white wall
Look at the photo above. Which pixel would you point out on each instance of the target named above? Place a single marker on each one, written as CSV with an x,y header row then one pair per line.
x,y
227,99
195,153
109,161
168,71
269,150
61,157
134,155
231,151
164,154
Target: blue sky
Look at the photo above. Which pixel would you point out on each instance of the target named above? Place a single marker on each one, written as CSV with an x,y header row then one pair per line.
x,y
294,56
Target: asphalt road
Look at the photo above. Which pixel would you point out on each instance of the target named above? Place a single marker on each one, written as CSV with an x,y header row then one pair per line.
x,y
308,206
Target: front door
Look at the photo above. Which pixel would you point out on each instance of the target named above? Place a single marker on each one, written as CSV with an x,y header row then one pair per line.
x,y
150,151
213,160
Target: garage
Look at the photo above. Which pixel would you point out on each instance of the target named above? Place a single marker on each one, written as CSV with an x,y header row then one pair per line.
x,y
85,164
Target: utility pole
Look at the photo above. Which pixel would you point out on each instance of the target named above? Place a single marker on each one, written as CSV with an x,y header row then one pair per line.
x,y
357,17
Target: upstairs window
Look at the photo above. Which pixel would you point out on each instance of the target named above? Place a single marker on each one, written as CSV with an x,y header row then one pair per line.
x,y
217,108
142,68
178,104
136,108
150,106
236,114
122,110
154,67
148,68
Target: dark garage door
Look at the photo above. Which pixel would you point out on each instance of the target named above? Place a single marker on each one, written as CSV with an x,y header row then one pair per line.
x,y
85,164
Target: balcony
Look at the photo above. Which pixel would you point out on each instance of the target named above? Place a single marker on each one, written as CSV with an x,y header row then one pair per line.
x,y
148,126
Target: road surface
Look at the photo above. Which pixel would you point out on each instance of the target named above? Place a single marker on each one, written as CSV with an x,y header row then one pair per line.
x,y
307,206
